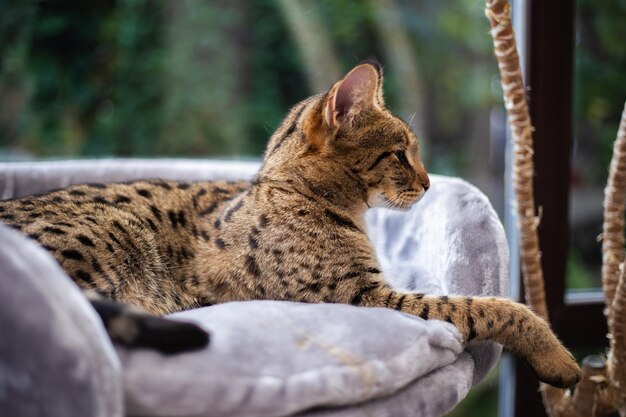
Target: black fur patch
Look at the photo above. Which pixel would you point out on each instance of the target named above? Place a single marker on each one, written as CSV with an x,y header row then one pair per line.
x,y
400,302
156,212
96,266
177,218
378,160
340,220
163,185
54,230
84,276
349,275
164,335
233,210
100,199
210,209
119,227
66,224
253,242
144,193
72,254
358,297
289,131
263,221
85,240
425,312
152,225
121,199
252,267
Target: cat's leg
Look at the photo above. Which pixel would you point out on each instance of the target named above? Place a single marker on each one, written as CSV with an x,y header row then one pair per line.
x,y
503,321
131,327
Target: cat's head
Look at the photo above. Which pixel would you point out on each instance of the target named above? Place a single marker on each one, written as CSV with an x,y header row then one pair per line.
x,y
350,128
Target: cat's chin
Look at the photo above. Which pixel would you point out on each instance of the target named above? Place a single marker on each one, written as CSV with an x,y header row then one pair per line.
x,y
403,206
398,203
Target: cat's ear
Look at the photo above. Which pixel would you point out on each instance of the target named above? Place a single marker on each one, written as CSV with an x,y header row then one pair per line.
x,y
360,89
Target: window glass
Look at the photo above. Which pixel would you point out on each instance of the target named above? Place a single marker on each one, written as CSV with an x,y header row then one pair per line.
x,y
599,94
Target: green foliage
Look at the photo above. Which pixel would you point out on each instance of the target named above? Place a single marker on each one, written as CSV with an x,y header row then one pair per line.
x,y
482,400
578,274
144,78
92,76
600,84
456,58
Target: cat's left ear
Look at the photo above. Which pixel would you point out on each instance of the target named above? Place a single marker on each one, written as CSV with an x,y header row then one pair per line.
x,y
359,90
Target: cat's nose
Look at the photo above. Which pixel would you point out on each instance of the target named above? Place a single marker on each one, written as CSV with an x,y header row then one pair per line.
x,y
422,177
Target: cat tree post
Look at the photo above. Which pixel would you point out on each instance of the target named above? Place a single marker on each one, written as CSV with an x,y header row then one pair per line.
x,y
613,274
613,227
602,389
498,12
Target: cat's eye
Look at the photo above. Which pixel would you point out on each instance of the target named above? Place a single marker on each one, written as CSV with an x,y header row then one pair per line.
x,y
402,158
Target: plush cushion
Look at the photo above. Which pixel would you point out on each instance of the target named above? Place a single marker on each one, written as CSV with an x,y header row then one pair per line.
x,y
55,356
278,358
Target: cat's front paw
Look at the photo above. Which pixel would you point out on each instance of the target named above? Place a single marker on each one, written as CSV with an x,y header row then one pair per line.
x,y
556,367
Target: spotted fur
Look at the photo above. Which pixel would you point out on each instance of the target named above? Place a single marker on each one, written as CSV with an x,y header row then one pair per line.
x,y
296,232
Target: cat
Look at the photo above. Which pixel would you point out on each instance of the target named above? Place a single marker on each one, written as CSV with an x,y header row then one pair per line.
x,y
295,232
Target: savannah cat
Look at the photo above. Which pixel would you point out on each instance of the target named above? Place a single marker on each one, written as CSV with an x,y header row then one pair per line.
x,y
296,232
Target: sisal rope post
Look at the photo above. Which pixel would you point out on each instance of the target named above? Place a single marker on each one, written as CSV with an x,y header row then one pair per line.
x,y
613,274
602,389
499,14
613,227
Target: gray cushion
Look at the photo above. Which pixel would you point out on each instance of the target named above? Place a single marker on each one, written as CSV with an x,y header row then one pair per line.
x,y
273,358
277,358
55,356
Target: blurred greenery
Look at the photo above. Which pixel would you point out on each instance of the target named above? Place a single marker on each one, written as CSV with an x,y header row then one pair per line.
x,y
599,85
579,276
599,94
482,400
192,78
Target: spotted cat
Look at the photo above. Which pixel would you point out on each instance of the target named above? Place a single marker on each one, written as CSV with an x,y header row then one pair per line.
x,y
295,232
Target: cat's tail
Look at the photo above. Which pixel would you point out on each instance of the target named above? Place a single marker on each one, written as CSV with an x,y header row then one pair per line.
x,y
130,327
